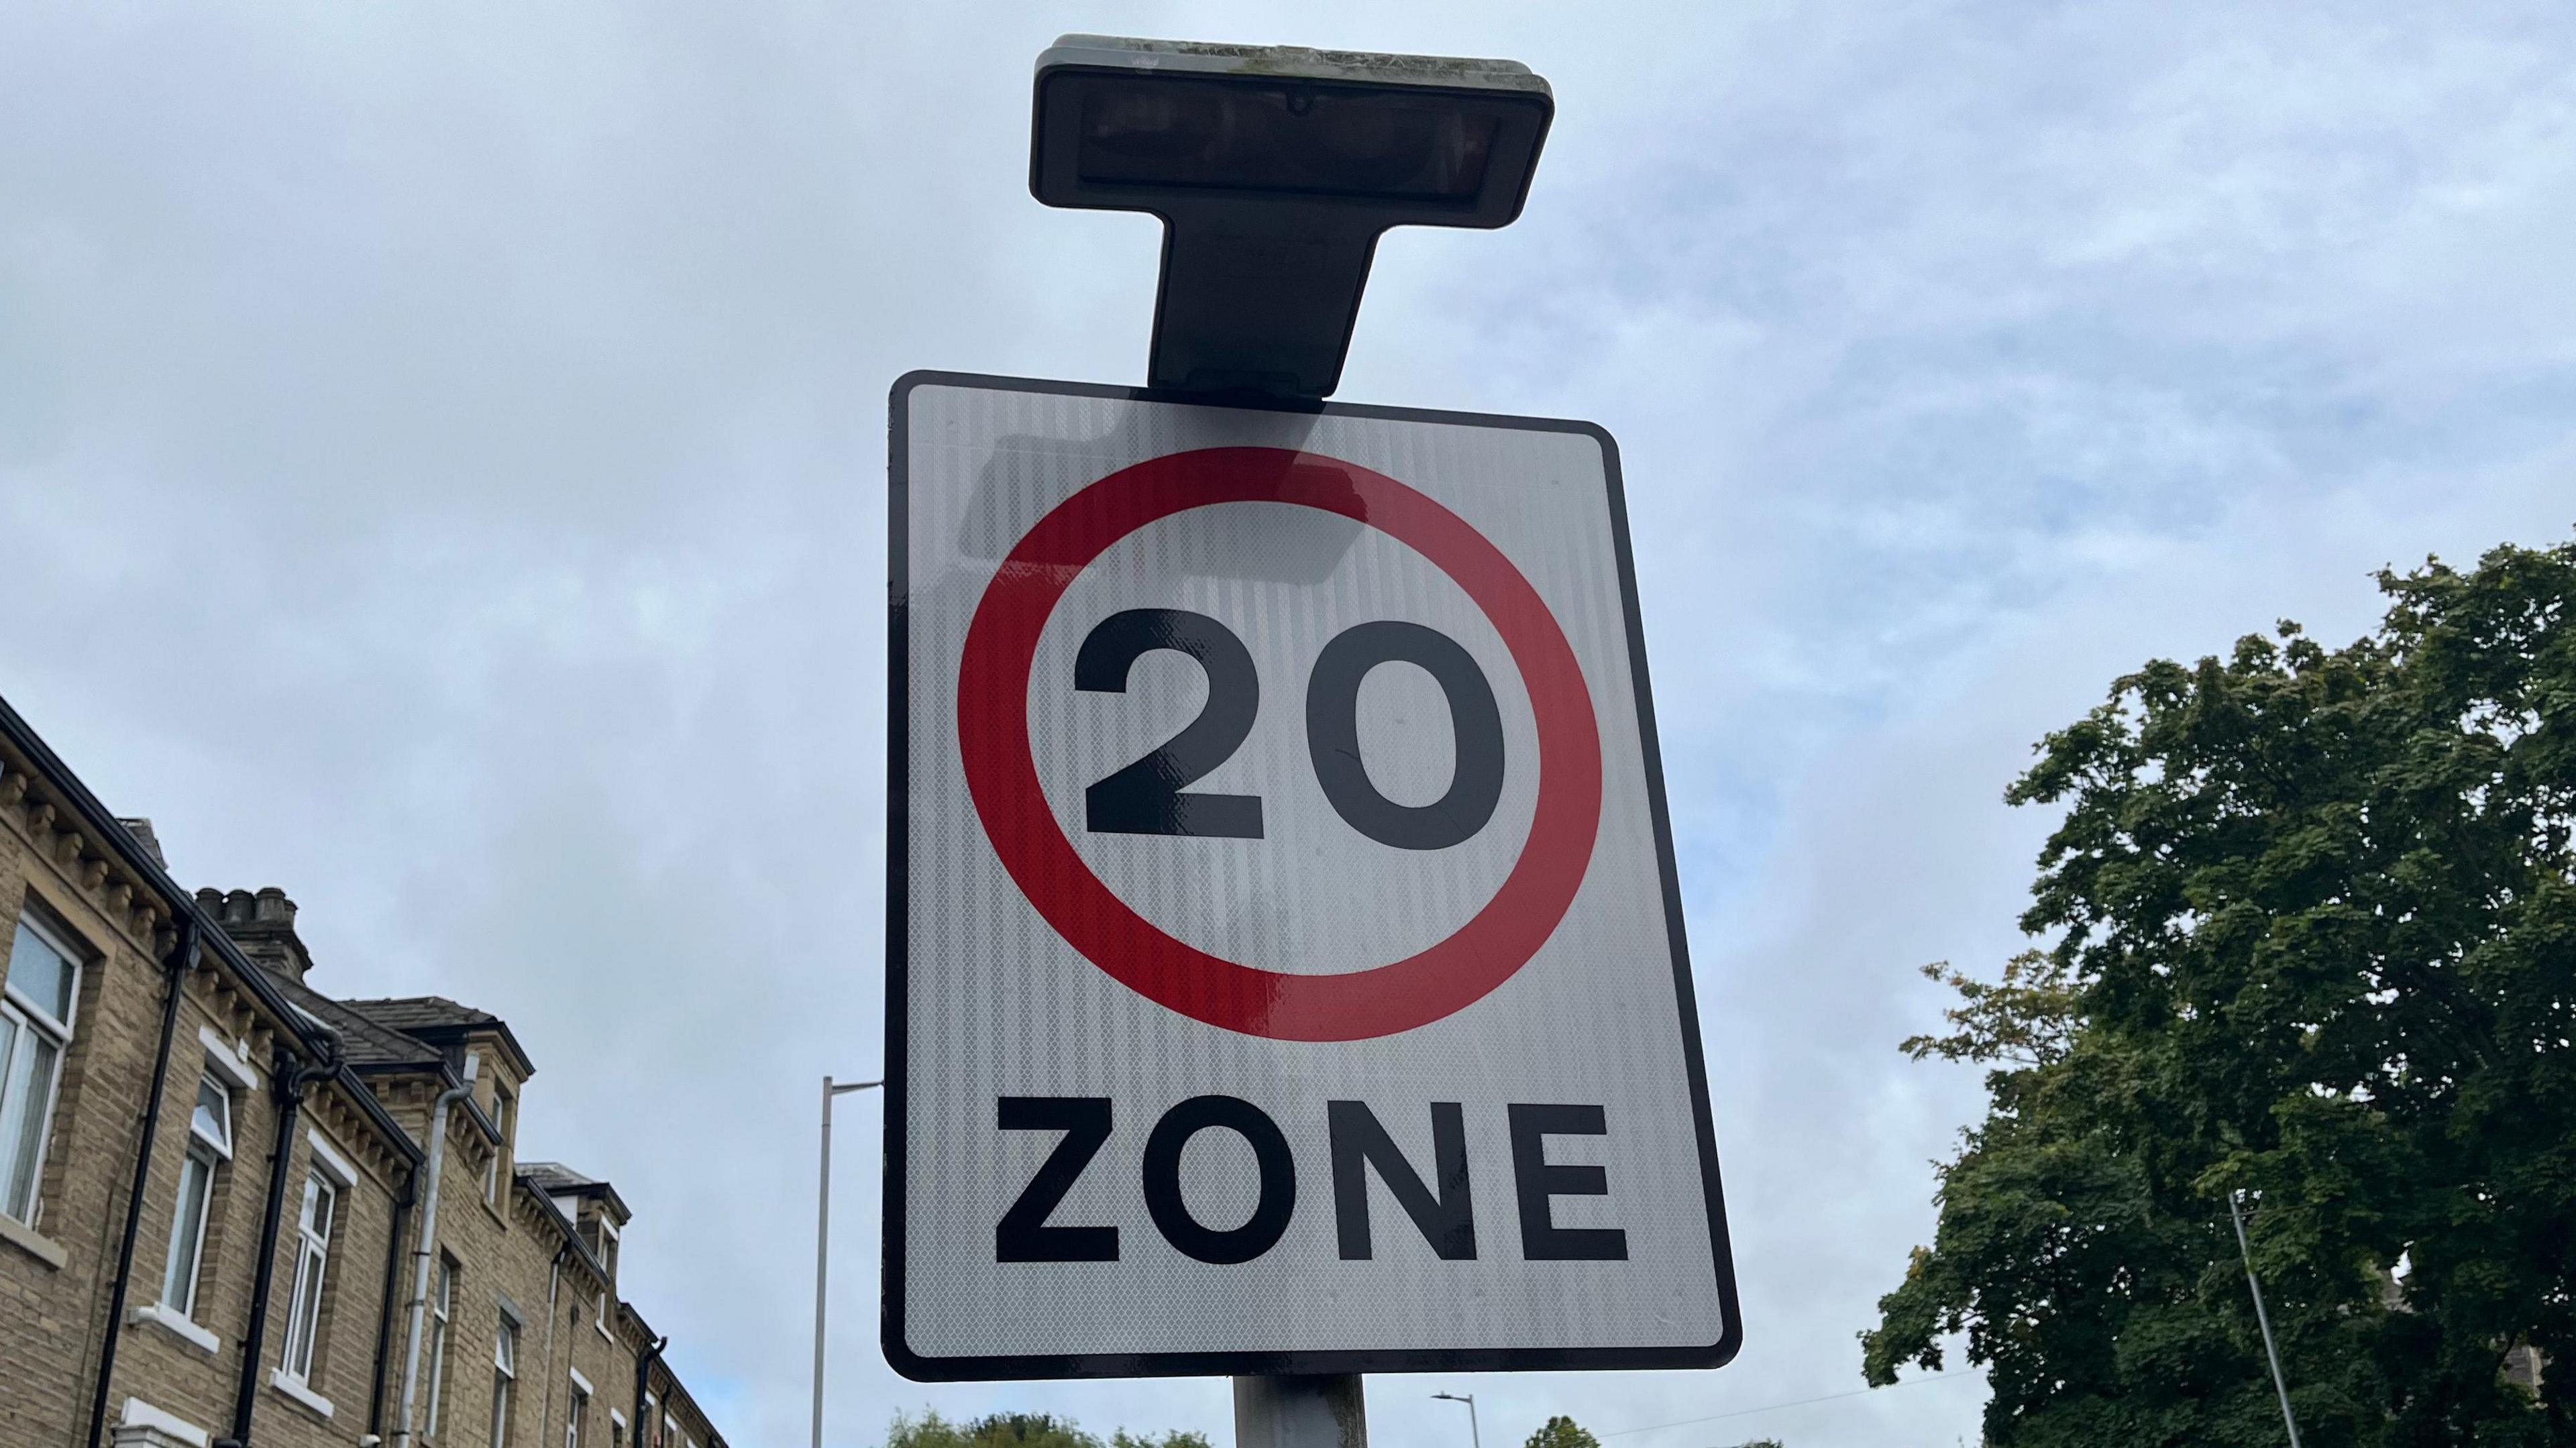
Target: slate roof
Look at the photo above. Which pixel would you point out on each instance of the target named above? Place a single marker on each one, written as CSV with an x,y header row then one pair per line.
x,y
437,1022
553,1177
410,1013
556,1179
369,1044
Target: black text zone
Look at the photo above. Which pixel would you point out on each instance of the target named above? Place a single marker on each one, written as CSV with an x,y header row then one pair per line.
x,y
1435,1194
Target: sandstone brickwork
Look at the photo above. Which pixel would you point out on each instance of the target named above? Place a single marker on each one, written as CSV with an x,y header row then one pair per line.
x,y
534,1245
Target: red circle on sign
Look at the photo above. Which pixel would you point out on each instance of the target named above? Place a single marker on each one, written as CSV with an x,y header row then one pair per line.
x,y
1001,771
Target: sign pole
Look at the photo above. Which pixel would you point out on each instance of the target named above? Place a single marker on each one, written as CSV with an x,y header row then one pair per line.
x,y
1268,938
1315,262
1320,1410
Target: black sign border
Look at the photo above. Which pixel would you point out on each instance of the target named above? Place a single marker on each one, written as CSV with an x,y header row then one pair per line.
x,y
898,902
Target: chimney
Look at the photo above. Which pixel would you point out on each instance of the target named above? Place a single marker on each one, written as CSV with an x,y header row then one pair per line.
x,y
262,923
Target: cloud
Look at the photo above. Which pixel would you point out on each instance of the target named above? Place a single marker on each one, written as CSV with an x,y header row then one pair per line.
x,y
440,459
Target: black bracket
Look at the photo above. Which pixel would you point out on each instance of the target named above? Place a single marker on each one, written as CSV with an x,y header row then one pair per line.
x,y
1275,170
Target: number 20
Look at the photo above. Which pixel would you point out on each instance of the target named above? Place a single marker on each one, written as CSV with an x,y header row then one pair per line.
x,y
1146,797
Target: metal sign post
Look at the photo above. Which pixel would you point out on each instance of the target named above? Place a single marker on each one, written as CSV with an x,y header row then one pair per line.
x,y
1285,969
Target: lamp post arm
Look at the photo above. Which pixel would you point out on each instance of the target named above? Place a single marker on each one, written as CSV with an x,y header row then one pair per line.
x,y
823,1235
2263,1319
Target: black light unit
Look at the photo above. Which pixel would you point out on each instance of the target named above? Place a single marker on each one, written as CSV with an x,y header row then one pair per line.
x,y
1275,168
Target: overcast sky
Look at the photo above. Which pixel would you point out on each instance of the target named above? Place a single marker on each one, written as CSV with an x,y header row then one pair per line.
x,y
441,473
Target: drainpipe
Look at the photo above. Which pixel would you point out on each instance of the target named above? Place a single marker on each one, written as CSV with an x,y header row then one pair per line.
x,y
293,1076
385,1318
644,1370
554,1281
182,958
428,1245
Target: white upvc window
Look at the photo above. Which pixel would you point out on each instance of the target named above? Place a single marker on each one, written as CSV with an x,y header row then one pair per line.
x,y
42,987
505,1378
312,1264
502,1107
210,1144
607,1269
442,1311
576,1415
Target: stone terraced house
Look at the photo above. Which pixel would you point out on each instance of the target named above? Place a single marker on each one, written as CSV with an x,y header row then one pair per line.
x,y
217,1184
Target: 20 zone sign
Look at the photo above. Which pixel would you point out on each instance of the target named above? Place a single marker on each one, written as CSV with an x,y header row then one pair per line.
x,y
1277,847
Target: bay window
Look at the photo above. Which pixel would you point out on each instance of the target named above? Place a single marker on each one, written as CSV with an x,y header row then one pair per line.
x,y
505,1376
210,1144
42,983
312,1263
442,1310
502,1107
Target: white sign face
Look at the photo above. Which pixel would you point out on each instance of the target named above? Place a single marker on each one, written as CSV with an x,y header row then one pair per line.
x,y
1284,959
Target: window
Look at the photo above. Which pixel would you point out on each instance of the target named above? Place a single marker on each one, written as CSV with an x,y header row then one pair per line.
x,y
502,1106
607,1270
210,1143
574,1416
616,1429
312,1261
505,1376
442,1308
43,980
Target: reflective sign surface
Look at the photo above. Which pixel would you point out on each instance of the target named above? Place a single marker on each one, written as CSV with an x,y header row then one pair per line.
x,y
1284,966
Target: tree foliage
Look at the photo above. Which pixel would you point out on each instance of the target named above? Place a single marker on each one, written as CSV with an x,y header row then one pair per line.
x,y
2310,933
1562,1432
1021,1430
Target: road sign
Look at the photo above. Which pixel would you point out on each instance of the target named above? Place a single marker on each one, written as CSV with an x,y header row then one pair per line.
x,y
1284,958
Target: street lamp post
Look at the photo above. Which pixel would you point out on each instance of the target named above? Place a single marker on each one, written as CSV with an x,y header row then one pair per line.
x,y
1475,1438
823,1236
2263,1319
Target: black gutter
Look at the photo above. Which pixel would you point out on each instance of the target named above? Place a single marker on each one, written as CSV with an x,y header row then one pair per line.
x,y
293,1079
644,1370
385,1317
182,905
182,959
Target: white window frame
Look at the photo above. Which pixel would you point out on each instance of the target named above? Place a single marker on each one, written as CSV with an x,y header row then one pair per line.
x,y
503,1104
29,1019
208,1150
328,1160
228,1059
442,1317
312,1266
505,1377
576,1411
607,1270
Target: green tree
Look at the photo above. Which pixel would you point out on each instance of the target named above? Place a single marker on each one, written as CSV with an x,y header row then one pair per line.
x,y
1562,1432
2310,933
994,1430
1175,1438
1021,1430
